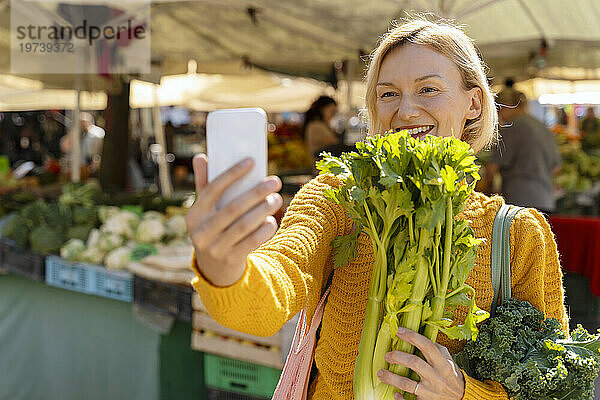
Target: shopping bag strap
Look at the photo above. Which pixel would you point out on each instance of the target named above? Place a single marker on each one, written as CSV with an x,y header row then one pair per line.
x,y
500,254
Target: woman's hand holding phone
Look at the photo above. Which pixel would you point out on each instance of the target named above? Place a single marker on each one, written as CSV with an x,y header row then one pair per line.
x,y
224,238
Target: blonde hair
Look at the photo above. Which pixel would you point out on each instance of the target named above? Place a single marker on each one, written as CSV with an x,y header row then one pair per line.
x,y
453,43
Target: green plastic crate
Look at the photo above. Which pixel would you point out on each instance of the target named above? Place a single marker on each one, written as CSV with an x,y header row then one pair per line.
x,y
240,376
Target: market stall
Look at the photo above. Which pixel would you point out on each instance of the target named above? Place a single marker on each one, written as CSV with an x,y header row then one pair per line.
x,y
109,276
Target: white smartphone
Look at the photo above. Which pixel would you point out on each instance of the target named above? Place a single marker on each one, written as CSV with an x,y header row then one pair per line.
x,y
231,136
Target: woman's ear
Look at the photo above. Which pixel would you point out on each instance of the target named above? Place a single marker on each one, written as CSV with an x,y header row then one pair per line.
x,y
476,98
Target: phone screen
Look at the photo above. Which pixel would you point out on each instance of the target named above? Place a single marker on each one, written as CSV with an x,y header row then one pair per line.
x,y
231,136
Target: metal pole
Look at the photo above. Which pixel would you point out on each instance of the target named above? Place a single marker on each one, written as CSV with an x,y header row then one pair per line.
x,y
163,166
76,137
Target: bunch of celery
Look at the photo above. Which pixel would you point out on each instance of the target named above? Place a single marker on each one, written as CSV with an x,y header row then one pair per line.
x,y
405,193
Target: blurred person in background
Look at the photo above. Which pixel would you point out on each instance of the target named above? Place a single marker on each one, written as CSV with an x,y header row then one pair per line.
x,y
590,130
317,132
92,139
526,156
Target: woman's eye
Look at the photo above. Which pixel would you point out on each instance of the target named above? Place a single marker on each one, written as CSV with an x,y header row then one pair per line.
x,y
387,94
428,89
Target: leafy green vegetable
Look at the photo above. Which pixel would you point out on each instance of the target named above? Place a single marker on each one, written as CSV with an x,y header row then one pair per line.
x,y
531,356
404,193
86,194
14,201
142,251
80,232
72,217
579,169
85,215
44,239
344,248
16,230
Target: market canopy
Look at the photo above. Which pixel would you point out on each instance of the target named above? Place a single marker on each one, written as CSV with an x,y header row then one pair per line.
x,y
520,38
23,94
273,92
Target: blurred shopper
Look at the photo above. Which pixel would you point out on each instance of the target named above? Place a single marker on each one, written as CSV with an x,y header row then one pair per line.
x,y
590,130
92,139
316,130
526,157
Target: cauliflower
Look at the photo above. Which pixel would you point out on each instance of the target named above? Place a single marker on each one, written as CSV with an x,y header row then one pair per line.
x,y
183,242
150,231
105,212
153,215
109,241
176,226
93,238
123,223
118,258
92,255
72,249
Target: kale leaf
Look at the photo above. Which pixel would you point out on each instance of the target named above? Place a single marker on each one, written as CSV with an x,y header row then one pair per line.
x,y
531,356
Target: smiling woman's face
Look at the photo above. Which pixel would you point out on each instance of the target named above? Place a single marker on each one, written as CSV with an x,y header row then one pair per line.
x,y
421,90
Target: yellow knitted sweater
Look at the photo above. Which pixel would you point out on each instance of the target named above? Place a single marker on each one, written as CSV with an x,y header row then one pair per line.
x,y
289,272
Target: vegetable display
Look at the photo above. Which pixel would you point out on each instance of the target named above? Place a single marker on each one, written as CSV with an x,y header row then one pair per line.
x,y
45,227
579,170
531,356
405,194
78,228
125,236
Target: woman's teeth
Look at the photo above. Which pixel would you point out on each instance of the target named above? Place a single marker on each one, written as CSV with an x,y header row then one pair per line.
x,y
416,131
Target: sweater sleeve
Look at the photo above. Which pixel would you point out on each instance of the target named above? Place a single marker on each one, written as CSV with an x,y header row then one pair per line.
x,y
535,267
280,274
486,390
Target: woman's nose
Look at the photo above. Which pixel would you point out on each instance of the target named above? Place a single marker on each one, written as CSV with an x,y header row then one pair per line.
x,y
407,109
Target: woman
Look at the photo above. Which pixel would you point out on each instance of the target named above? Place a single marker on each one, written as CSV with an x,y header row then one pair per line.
x,y
425,77
316,130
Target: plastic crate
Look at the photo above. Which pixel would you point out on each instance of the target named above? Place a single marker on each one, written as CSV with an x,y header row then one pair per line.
x,y
22,262
67,275
240,377
88,278
117,285
166,298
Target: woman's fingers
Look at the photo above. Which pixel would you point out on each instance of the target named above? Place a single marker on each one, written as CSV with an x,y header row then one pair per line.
x,y
411,361
217,222
255,239
245,202
429,349
249,222
400,382
444,351
199,164
213,191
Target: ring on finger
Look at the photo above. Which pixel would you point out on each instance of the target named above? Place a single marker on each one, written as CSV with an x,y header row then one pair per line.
x,y
416,389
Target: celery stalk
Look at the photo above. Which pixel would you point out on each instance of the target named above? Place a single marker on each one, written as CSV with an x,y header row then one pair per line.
x,y
402,191
439,300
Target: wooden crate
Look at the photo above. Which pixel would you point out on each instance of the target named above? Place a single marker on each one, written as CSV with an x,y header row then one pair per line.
x,y
211,337
203,321
229,347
